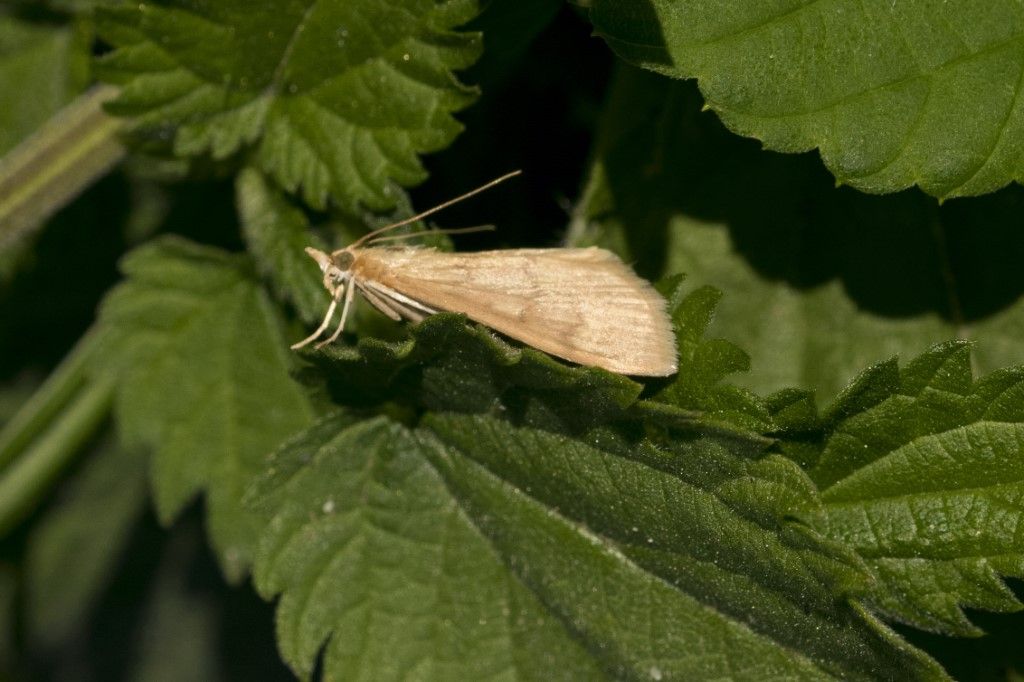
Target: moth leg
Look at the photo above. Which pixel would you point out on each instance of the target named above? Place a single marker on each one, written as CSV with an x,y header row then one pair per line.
x,y
323,325
379,303
349,293
396,297
389,306
405,311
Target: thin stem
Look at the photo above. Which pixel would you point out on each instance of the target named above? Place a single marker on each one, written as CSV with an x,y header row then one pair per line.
x,y
49,169
24,483
39,411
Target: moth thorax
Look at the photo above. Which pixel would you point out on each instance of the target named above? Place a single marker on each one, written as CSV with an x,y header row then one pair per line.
x,y
343,260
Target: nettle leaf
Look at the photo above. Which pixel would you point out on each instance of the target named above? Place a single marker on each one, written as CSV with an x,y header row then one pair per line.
x,y
336,98
370,554
472,549
921,473
893,94
203,380
830,280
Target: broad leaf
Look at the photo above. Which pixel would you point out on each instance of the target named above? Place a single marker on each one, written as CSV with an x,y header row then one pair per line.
x,y
371,556
655,564
821,281
335,98
202,367
881,88
89,529
921,473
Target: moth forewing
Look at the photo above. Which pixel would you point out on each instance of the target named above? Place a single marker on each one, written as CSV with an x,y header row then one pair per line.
x,y
583,305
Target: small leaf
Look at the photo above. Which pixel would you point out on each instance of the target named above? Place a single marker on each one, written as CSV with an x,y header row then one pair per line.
x,y
337,99
703,363
88,529
925,485
276,234
202,368
377,566
880,88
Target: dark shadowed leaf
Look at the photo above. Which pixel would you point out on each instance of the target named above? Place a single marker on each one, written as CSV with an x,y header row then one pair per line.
x,y
893,94
820,282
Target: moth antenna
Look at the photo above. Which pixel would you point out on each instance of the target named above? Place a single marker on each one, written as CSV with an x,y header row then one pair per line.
x,y
427,233
431,211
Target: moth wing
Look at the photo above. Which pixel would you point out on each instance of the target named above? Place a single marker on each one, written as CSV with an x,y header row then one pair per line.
x,y
584,305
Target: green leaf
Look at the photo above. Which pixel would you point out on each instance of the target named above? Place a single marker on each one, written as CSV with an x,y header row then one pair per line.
x,y
276,233
821,282
882,89
202,369
672,547
925,484
334,98
88,528
613,562
374,563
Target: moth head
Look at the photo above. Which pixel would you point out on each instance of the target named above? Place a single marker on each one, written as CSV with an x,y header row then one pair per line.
x,y
334,266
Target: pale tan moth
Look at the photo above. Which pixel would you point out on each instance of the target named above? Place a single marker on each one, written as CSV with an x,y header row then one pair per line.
x,y
583,305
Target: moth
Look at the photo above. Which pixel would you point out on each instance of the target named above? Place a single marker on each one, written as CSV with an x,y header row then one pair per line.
x,y
580,304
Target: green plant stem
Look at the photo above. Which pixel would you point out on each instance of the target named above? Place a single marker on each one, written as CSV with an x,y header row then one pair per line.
x,y
39,411
49,169
24,482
